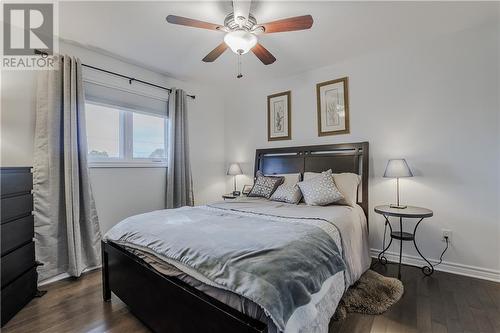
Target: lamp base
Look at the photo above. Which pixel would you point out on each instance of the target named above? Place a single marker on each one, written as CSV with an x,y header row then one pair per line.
x,y
398,206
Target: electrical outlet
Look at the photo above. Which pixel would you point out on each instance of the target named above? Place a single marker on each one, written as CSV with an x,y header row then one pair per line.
x,y
446,233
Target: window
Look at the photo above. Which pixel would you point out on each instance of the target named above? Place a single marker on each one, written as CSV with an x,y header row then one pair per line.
x,y
103,131
118,137
148,136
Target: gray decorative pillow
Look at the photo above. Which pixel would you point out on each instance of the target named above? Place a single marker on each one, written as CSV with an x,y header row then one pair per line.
x,y
264,186
320,190
287,193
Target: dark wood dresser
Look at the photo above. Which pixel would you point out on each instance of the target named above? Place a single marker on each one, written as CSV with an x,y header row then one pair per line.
x,y
18,274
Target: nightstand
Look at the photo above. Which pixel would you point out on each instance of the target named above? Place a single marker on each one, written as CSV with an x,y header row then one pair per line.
x,y
229,196
410,212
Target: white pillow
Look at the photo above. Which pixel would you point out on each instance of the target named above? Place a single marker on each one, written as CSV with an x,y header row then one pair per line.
x,y
289,178
346,182
320,190
310,175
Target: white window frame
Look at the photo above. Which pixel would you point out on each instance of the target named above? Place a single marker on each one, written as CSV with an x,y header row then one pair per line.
x,y
126,159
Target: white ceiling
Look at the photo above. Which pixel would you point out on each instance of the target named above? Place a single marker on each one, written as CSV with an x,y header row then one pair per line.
x,y
138,31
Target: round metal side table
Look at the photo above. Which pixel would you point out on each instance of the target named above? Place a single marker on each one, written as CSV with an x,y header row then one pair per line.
x,y
411,212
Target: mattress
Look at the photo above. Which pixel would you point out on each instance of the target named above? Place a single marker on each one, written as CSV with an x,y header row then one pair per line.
x,y
349,233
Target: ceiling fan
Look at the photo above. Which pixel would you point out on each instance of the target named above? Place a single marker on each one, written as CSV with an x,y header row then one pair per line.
x,y
242,31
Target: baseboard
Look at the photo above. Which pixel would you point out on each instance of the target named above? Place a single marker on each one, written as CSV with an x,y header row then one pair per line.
x,y
63,276
445,266
448,267
56,278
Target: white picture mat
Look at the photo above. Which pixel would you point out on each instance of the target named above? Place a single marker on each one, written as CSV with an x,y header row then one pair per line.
x,y
332,107
278,107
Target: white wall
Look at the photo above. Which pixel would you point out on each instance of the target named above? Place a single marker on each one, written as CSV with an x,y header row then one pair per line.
x,y
122,192
434,104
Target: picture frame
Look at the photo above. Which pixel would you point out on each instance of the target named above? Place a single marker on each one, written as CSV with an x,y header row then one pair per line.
x,y
279,118
246,189
333,107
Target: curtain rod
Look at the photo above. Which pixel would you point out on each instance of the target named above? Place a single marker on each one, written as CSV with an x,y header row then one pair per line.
x,y
130,79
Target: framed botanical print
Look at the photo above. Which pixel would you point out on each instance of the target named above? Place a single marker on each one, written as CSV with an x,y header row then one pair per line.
x,y
246,189
333,107
279,120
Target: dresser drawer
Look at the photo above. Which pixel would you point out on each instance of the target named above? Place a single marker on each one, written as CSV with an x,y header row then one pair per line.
x,y
17,262
17,294
16,206
16,233
15,181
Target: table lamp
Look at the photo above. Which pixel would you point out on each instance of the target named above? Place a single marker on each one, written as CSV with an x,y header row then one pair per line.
x,y
234,170
397,168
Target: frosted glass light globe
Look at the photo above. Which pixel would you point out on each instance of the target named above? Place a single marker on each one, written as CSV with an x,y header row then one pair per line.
x,y
240,41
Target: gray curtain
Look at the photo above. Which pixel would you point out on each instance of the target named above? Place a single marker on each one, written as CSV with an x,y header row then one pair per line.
x,y
179,181
67,234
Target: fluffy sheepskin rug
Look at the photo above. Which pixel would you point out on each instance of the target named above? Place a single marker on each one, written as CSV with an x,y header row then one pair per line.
x,y
372,294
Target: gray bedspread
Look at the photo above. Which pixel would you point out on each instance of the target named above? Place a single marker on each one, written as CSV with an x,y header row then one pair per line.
x,y
274,261
350,222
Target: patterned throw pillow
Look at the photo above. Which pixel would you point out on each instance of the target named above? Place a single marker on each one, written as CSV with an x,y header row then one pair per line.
x,y
265,185
321,190
287,193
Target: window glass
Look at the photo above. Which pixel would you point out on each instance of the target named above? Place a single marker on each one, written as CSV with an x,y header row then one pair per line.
x,y
103,131
148,136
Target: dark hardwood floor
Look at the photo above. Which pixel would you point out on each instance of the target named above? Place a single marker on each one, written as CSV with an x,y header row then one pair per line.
x,y
440,303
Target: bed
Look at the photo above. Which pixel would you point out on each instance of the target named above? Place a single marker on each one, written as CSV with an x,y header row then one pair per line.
x,y
165,274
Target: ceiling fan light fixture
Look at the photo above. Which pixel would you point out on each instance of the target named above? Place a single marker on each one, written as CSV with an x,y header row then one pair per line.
x,y
240,41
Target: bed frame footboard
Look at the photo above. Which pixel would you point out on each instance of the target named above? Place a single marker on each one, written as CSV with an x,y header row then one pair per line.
x,y
167,304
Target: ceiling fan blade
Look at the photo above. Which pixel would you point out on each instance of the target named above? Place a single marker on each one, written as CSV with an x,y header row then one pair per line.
x,y
192,23
289,24
263,54
241,9
215,53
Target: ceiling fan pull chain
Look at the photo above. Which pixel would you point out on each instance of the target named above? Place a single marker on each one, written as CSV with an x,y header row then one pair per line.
x,y
239,76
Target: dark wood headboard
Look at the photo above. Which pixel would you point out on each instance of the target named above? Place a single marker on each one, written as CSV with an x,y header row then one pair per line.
x,y
343,157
